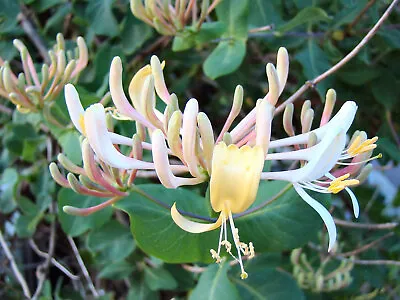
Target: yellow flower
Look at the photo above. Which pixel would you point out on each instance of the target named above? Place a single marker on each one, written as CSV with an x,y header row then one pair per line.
x,y
235,176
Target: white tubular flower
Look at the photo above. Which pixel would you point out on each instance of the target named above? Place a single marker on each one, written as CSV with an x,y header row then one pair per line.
x,y
99,139
163,167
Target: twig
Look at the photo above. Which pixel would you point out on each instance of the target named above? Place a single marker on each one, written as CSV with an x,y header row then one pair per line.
x,y
41,271
370,262
341,63
361,14
58,265
392,129
14,267
366,247
193,269
83,267
364,225
260,29
33,36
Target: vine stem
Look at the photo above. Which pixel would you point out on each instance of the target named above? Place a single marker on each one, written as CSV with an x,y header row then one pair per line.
x,y
364,225
341,63
14,267
196,216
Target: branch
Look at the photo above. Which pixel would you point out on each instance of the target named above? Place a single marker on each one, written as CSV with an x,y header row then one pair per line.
x,y
41,271
361,14
364,225
58,265
83,267
33,36
366,247
14,267
341,63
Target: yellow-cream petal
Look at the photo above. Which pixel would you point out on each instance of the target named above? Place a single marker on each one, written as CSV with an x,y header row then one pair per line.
x,y
191,226
235,176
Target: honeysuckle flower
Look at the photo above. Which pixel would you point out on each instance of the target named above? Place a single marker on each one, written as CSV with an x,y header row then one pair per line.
x,y
170,18
184,142
28,91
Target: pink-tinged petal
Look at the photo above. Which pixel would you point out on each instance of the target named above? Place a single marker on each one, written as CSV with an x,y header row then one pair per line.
x,y
157,71
83,212
323,212
83,56
330,101
191,226
118,96
162,166
343,120
57,176
74,106
265,113
189,133
273,84
100,141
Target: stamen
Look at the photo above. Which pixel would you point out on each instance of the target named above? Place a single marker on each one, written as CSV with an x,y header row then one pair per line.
x,y
362,161
358,147
82,123
235,234
215,256
341,183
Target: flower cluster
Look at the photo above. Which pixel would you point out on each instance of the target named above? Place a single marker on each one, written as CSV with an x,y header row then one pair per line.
x,y
31,92
170,19
185,151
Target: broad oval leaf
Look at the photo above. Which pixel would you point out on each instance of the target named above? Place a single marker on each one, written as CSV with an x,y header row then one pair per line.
x,y
214,284
225,59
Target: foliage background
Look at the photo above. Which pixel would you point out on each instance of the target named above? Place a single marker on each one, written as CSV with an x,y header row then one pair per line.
x,y
205,66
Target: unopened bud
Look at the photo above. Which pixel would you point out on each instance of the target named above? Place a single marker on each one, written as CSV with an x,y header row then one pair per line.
x,y
68,71
330,101
57,176
307,121
319,283
61,62
227,138
60,42
45,75
306,106
207,138
312,140
282,67
173,134
237,100
273,84
159,82
7,80
364,173
288,119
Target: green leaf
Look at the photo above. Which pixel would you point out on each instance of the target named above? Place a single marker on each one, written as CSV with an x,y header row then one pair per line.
x,y
101,18
391,37
234,14
159,279
385,90
112,242
25,225
348,13
71,147
214,284
263,13
209,31
76,225
305,16
134,34
266,283
140,291
8,185
156,233
117,270
286,223
57,18
18,137
389,148
225,59
8,15
314,62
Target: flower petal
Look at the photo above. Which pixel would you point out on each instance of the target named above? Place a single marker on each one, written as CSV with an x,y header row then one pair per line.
x,y
100,141
322,211
74,106
191,226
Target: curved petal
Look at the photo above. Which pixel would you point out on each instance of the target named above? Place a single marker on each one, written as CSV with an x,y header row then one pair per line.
x,y
74,106
265,113
322,211
191,226
100,141
162,166
118,96
343,120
